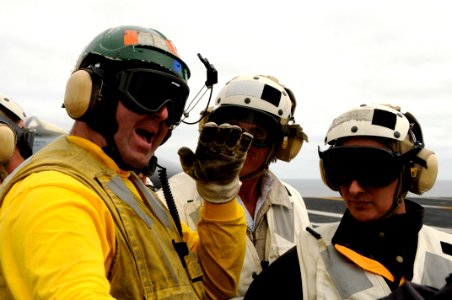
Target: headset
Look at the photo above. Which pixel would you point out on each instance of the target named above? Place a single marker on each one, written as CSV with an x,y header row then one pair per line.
x,y
420,164
422,168
83,95
7,140
14,136
11,135
263,93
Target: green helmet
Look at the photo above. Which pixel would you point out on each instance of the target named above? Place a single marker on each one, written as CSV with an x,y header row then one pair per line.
x,y
135,44
127,64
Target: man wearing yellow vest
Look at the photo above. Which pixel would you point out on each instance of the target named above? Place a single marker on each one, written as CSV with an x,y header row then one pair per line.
x,y
76,222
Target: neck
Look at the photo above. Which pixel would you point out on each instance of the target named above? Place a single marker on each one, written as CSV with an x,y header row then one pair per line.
x,y
250,192
81,129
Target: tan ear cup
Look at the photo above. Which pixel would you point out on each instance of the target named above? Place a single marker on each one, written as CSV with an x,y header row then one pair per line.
x,y
291,143
77,98
8,142
423,178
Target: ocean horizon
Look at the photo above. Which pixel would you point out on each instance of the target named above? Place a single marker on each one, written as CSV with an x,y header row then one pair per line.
x,y
316,188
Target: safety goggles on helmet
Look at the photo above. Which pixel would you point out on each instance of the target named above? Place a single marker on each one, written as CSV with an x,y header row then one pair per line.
x,y
147,91
372,167
263,127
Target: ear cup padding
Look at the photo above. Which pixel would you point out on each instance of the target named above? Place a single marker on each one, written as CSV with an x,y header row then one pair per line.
x,y
77,98
291,143
422,178
7,142
289,148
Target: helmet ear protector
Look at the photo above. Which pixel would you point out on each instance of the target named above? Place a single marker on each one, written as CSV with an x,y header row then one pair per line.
x,y
293,136
289,145
422,168
7,140
83,93
421,164
291,142
11,136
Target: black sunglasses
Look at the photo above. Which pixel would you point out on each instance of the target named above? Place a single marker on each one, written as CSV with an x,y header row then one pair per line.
x,y
372,167
147,91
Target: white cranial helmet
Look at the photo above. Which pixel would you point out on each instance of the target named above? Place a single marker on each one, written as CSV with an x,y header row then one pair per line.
x,y
8,107
259,92
375,120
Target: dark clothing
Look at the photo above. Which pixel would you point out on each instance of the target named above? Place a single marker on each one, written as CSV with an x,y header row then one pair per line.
x,y
412,291
391,241
280,280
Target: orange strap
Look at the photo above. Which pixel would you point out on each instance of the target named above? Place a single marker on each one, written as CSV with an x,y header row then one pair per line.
x,y
365,263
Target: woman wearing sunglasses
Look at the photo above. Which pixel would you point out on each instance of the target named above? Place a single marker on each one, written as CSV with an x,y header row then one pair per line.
x,y
375,155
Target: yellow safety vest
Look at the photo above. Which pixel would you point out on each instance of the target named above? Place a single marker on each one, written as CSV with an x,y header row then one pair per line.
x,y
146,264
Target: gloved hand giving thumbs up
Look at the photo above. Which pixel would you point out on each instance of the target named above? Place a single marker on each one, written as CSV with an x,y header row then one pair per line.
x,y
216,165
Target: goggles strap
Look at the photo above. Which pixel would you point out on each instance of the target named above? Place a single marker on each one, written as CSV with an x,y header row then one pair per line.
x,y
254,174
111,149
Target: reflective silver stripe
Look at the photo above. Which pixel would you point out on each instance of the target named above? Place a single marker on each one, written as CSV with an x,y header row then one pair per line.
x,y
347,277
283,219
436,269
157,206
120,189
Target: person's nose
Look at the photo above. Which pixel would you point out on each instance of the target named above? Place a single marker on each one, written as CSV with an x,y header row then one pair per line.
x,y
355,187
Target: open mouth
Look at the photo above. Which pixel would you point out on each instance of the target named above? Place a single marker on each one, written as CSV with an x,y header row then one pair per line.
x,y
147,135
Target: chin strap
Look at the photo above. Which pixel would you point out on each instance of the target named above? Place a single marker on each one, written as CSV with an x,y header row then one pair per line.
x,y
254,174
111,149
399,196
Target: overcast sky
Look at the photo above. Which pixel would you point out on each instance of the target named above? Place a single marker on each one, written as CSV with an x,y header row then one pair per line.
x,y
332,54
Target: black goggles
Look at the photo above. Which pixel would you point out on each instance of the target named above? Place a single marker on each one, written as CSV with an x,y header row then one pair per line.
x,y
147,91
372,167
264,128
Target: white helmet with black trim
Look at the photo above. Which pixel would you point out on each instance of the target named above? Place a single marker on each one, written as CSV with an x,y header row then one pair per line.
x,y
401,129
261,93
265,98
376,120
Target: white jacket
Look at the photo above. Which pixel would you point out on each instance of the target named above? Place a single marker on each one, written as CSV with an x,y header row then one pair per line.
x,y
286,217
327,275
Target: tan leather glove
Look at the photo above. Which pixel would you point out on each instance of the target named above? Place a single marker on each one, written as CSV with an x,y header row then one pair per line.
x,y
216,165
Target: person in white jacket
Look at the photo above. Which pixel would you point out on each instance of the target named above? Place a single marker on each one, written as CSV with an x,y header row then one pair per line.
x,y
275,211
375,155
